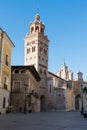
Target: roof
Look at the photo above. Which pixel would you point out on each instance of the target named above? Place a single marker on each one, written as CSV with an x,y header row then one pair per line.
x,y
56,76
7,36
30,68
79,72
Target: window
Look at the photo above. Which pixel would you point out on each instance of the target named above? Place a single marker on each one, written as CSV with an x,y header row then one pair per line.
x,y
42,60
39,57
37,29
50,88
46,61
42,30
32,29
28,44
45,51
45,72
41,49
59,95
30,58
16,71
6,60
5,82
4,102
28,50
23,71
40,71
16,86
33,49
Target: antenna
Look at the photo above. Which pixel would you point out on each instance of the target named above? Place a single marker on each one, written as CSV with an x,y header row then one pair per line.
x,y
37,7
37,10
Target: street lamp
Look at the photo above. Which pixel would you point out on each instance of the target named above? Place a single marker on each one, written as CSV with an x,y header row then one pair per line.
x,y
82,109
55,99
25,107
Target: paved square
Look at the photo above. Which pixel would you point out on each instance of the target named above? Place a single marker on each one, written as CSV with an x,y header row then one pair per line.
x,y
43,121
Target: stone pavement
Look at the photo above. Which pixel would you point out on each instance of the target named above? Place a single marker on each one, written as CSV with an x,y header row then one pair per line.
x,y
43,121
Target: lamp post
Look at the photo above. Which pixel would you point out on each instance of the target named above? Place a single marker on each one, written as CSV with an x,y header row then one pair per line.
x,y
55,99
82,109
25,107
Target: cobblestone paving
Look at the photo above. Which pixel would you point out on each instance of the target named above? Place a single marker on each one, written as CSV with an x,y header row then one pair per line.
x,y
43,121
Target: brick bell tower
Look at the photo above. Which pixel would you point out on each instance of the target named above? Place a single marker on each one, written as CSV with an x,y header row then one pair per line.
x,y
36,53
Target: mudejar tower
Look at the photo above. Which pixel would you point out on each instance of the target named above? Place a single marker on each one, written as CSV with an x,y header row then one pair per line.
x,y
36,53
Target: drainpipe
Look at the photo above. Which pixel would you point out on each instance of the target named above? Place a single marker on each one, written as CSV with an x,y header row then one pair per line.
x,y
1,56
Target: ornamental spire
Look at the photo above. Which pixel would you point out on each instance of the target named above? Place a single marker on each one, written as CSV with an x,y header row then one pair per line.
x,y
37,16
64,62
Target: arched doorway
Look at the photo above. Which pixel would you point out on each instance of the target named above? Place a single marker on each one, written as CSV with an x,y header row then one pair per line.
x,y
42,103
76,103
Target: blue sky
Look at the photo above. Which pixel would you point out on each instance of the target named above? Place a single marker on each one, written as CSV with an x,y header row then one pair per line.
x,y
65,25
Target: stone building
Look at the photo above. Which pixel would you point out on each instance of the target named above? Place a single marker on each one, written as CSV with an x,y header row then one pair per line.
x,y
83,92
67,75
77,85
25,89
70,97
60,93
80,95
6,46
76,92
54,90
36,54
